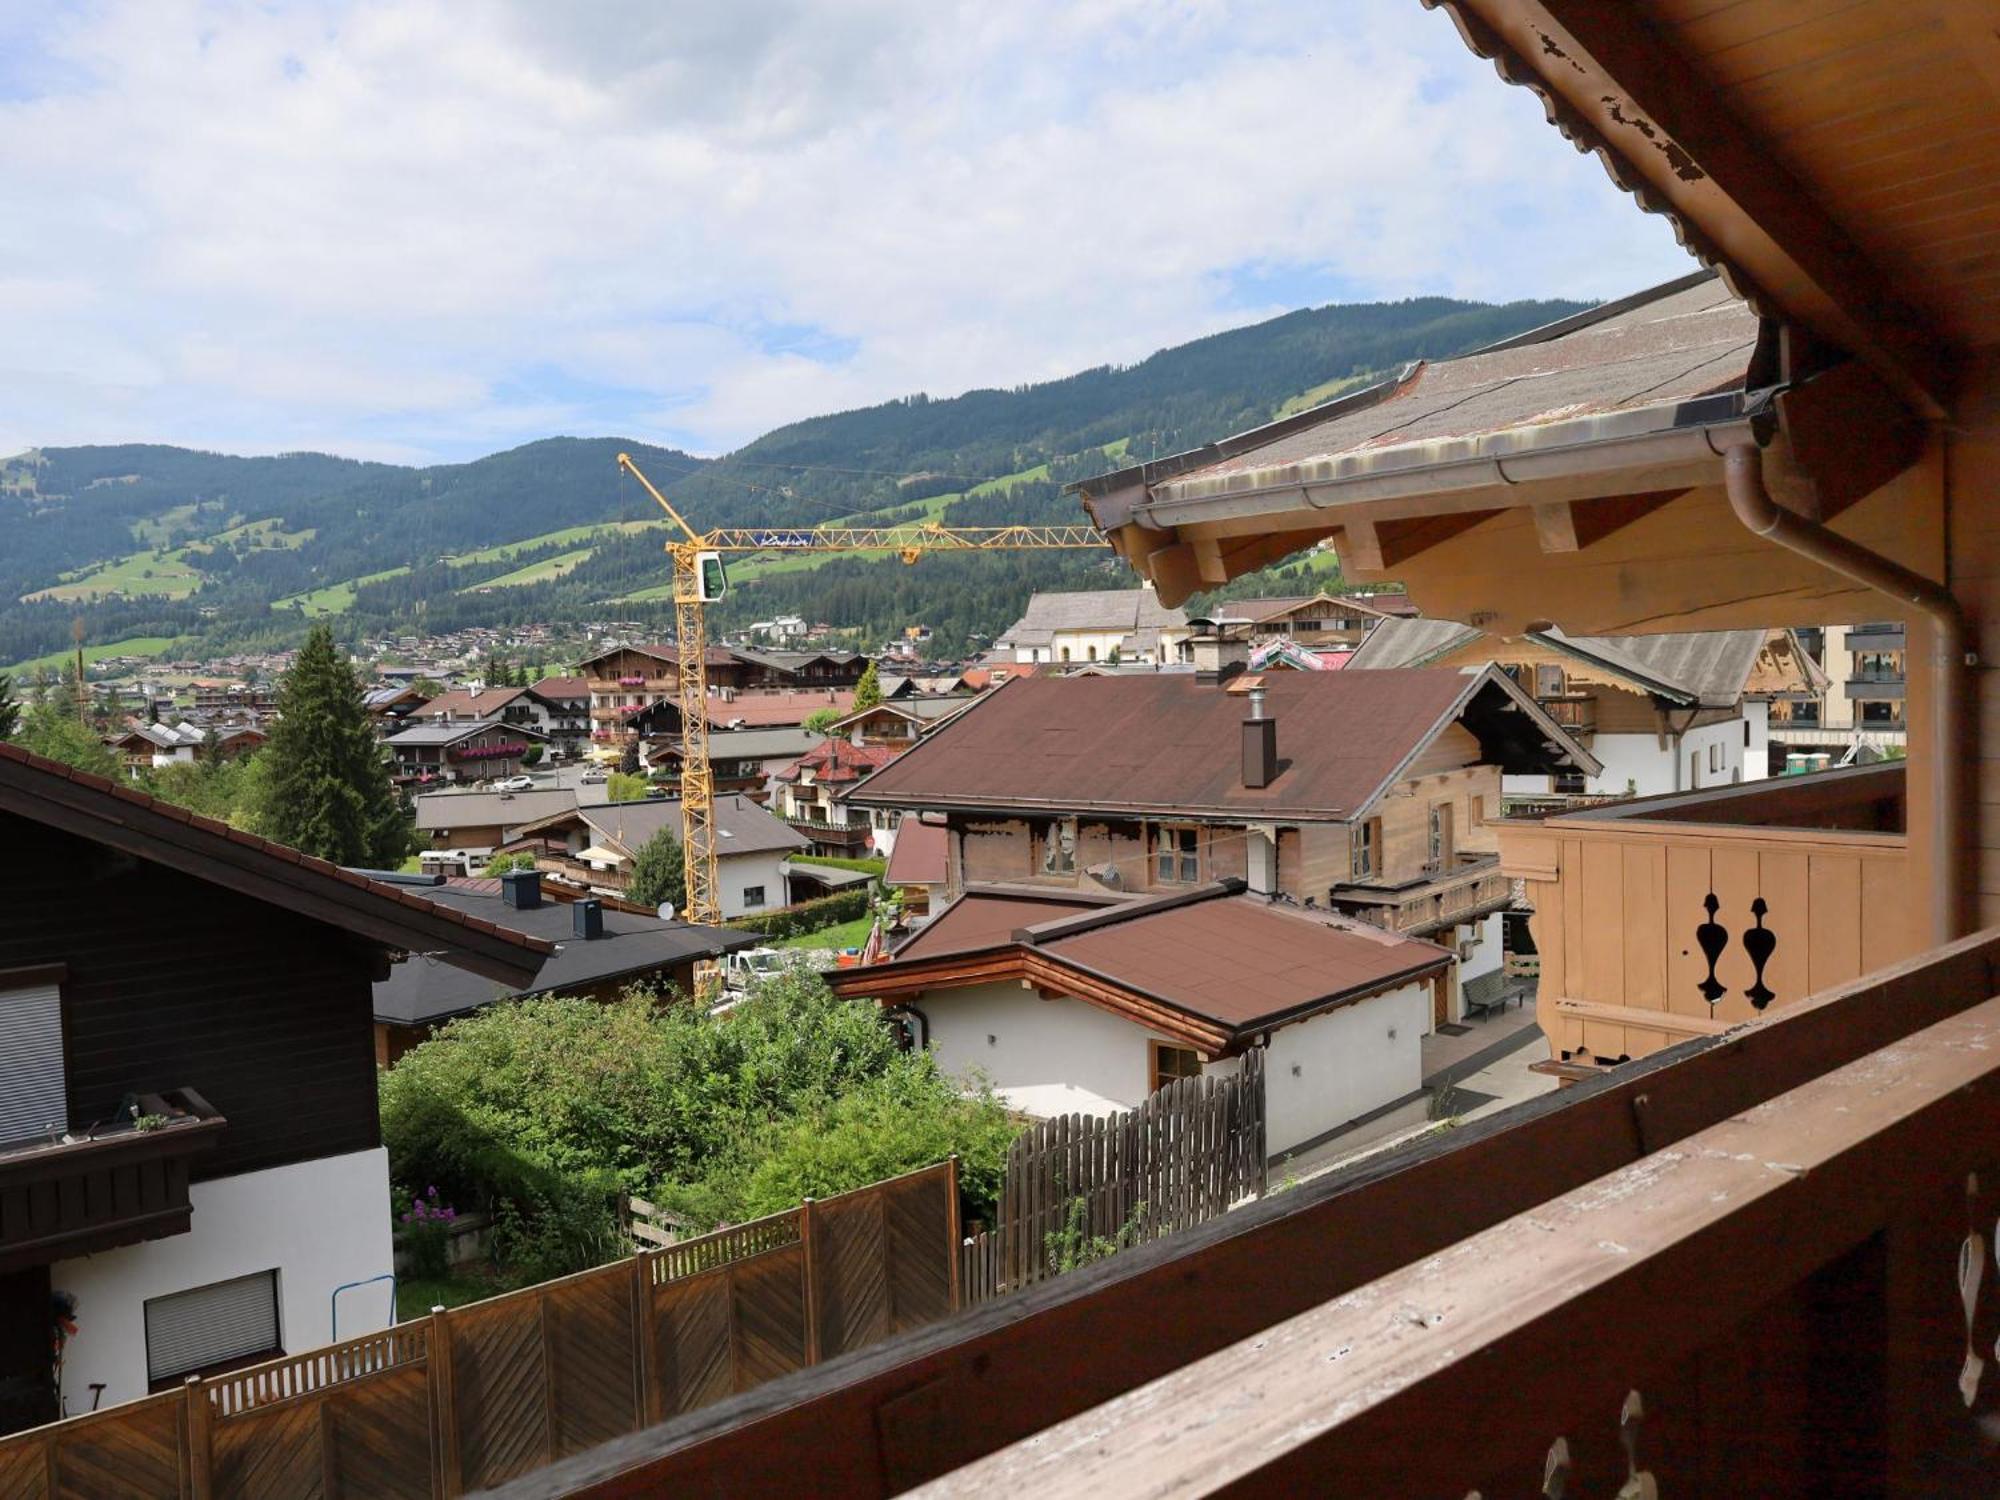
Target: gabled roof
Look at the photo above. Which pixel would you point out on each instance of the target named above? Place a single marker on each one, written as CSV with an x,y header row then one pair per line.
x,y
782,740
741,826
421,733
557,688
919,856
836,762
480,702
1165,744
1213,966
55,795
1708,668
1090,609
443,810
632,945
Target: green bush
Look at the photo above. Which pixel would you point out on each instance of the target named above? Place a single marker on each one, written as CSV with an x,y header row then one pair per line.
x,y
807,916
874,866
544,1110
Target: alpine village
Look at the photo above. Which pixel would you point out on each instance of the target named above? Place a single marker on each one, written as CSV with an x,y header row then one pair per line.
x,y
1391,890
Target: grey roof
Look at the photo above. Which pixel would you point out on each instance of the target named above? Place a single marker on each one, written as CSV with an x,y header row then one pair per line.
x,y
1706,667
1090,609
1689,342
741,826
437,810
447,734
783,740
788,660
418,990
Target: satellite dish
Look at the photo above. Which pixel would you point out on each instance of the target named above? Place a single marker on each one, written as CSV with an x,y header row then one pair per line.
x,y
666,912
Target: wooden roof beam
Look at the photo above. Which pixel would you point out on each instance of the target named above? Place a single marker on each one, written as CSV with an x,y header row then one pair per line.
x,y
1612,86
1572,525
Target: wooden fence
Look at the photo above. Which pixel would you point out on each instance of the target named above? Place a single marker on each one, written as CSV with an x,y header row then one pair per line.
x,y
1078,1182
474,1396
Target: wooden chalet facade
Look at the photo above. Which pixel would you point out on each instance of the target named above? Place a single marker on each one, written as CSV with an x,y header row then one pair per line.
x,y
808,795
189,1142
634,689
1372,794
1758,1263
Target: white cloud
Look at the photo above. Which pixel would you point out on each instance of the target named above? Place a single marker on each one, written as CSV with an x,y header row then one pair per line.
x,y
438,227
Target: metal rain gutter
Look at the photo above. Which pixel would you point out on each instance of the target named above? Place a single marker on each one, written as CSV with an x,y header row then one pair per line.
x,y
1951,658
1597,448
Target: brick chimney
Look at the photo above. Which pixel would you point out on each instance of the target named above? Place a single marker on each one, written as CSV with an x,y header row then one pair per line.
x,y
1260,743
522,889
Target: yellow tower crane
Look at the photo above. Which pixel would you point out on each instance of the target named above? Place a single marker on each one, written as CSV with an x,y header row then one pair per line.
x,y
700,579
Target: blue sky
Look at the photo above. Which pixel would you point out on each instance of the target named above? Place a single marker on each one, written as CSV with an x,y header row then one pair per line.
x,y
427,229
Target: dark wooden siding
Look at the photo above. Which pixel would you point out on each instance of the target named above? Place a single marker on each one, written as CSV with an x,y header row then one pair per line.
x,y
176,983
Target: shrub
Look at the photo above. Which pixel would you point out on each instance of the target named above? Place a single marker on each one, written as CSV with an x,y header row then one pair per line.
x,y
807,916
426,1228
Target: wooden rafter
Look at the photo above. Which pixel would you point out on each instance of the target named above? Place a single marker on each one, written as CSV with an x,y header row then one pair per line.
x,y
1570,525
1378,546
1666,136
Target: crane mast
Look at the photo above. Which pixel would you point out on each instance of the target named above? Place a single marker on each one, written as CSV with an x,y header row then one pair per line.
x,y
691,551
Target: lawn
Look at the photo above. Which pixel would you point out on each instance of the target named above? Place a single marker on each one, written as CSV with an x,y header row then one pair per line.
x,y
540,572
417,1296
335,597
132,645
586,532
154,572
844,935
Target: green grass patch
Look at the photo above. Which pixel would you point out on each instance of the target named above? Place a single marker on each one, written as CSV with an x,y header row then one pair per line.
x,y
840,862
417,1296
335,597
1319,394
155,572
540,572
587,532
132,645
840,935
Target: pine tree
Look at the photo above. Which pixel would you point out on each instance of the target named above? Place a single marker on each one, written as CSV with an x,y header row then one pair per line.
x,y
658,872
868,691
10,708
329,792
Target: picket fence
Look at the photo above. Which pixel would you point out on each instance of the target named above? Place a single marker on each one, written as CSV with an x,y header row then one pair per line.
x,y
1077,1184
473,1396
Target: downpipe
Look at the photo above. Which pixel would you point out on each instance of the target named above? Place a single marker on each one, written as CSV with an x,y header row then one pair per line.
x,y
1952,658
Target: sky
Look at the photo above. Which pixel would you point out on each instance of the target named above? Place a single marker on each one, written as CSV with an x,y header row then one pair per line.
x,y
423,230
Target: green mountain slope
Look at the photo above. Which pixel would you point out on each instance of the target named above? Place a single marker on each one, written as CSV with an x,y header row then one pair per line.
x,y
154,542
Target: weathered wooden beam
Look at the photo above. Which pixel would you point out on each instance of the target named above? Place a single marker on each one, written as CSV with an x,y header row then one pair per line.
x,y
1667,136
1380,546
1572,525
1506,1339
1635,1015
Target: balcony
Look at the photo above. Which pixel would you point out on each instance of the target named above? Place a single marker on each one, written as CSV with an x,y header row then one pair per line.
x,y
1576,712
1472,889
77,1196
833,838
1875,687
1879,636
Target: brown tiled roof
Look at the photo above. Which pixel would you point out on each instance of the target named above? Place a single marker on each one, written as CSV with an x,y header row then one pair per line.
x,y
836,762
1211,965
59,796
920,854
477,701
563,687
1156,744
765,710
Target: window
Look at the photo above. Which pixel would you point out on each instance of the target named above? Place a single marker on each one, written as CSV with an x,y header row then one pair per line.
x,y
1715,757
1177,855
36,1098
1173,1063
1569,782
753,895
1059,848
1548,682
1440,849
212,1328
1363,849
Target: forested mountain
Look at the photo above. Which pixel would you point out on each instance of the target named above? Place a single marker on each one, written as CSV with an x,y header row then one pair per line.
x,y
150,541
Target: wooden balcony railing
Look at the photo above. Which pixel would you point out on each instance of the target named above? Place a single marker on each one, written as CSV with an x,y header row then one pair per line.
x,y
61,1199
1741,1266
1576,712
1452,896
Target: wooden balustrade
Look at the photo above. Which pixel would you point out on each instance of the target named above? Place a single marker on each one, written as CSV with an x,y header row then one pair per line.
x,y
478,1395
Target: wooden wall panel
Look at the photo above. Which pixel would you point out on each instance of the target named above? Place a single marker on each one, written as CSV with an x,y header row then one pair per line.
x,y
851,1276
590,1344
1784,884
693,1351
1833,908
1689,879
133,1452
1643,878
917,1219
378,1437
273,1453
1602,973
768,1313
500,1390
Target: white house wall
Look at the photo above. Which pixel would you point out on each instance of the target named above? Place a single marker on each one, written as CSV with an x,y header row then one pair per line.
x,y
319,1224
738,872
1321,1073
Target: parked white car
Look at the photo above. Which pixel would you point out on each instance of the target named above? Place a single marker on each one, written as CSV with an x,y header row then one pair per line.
x,y
515,784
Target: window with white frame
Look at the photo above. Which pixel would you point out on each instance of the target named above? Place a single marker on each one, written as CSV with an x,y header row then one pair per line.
x,y
1364,849
212,1328
1177,855
35,1100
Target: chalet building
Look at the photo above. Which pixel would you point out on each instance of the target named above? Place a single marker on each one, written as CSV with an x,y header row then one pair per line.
x,y
148,746
477,750
550,721
740,761
1857,712
568,699
1663,713
807,795
592,848
599,955
1810,880
899,722
1310,620
391,704
189,1144
634,689
478,823
1094,625
1067,1002
1368,793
